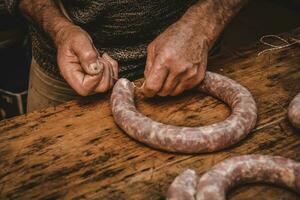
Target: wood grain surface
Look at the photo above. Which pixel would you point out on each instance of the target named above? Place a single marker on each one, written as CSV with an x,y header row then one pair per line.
x,y
75,151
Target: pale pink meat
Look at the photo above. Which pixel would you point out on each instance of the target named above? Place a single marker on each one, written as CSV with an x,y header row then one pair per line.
x,y
215,183
188,139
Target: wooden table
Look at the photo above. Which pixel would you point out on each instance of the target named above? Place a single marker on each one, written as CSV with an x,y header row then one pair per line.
x,y
75,151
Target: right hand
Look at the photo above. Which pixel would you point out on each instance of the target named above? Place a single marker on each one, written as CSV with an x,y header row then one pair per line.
x,y
80,63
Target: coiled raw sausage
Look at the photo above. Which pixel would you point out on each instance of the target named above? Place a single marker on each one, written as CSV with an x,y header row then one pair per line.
x,y
231,172
188,139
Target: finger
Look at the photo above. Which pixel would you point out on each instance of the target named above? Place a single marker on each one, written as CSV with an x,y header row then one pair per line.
x,y
179,89
169,85
201,70
191,77
189,80
198,79
115,65
104,83
149,61
72,72
180,85
110,73
155,80
82,83
88,56
176,74
175,86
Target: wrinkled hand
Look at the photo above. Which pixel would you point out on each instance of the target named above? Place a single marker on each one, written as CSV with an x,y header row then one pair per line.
x,y
176,61
80,63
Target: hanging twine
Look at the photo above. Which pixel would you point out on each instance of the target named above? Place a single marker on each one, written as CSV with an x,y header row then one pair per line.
x,y
276,47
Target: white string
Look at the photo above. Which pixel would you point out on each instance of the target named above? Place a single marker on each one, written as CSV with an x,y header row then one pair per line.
x,y
276,47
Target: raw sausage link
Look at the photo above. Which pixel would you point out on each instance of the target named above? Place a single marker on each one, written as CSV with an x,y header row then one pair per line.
x,y
231,172
188,139
294,111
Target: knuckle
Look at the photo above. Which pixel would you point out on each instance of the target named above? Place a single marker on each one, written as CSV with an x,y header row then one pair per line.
x,y
181,67
189,66
168,58
89,55
159,67
192,73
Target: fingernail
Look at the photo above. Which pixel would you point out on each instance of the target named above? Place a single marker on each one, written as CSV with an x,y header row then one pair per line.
x,y
96,67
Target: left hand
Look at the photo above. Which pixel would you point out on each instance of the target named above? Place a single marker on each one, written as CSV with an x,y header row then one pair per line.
x,y
176,60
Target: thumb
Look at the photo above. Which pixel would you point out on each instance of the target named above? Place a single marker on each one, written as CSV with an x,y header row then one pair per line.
x,y
88,58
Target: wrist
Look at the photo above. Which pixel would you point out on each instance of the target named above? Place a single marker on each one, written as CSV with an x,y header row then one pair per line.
x,y
209,17
204,20
59,30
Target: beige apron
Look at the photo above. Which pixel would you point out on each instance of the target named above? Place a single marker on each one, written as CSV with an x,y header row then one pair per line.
x,y
45,91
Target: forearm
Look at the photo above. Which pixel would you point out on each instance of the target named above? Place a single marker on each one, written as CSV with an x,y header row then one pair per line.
x,y
46,15
212,16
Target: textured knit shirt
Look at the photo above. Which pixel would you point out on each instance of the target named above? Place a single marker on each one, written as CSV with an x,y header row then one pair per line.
x,y
121,28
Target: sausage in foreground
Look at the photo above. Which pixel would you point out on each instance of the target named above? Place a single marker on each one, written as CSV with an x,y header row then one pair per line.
x,y
232,172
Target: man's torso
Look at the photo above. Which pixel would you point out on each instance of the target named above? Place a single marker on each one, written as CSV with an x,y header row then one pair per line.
x,y
121,28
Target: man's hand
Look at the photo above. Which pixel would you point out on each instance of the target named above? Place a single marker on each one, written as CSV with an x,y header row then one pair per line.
x,y
176,61
81,65
177,58
78,60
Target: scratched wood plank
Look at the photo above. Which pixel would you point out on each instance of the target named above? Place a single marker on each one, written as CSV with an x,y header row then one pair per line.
x,y
75,151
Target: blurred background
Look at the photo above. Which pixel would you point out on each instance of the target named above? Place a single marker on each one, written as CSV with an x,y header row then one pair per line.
x,y
15,57
260,17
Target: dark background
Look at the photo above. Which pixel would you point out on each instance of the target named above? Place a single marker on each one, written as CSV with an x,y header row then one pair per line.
x,y
259,18
14,52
